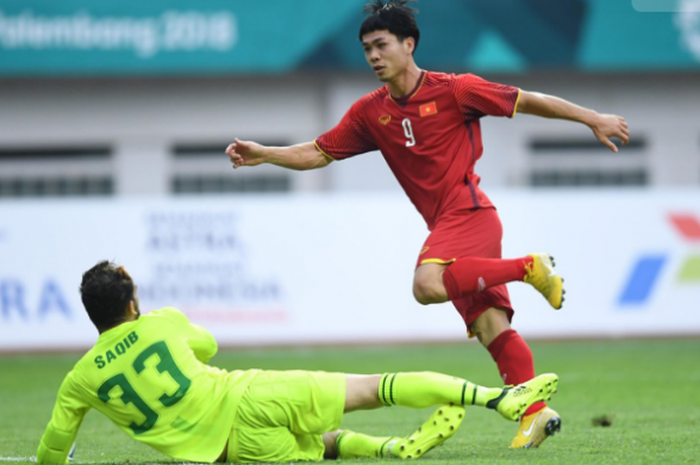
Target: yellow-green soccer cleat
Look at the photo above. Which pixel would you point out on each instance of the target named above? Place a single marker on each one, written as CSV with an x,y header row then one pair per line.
x,y
441,425
515,400
542,276
535,428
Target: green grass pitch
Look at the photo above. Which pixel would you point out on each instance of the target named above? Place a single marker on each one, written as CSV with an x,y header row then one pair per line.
x,y
650,390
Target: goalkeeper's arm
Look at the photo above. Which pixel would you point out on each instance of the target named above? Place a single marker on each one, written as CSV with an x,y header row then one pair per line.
x,y
200,340
68,414
202,343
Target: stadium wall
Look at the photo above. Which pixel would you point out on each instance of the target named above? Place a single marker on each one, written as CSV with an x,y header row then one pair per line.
x,y
142,120
309,269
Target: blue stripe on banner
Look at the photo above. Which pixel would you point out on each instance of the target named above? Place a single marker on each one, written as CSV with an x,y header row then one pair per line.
x,y
641,282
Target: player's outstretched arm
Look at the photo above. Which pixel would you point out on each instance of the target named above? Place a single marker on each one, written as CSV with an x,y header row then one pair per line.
x,y
200,340
296,157
59,436
603,126
202,343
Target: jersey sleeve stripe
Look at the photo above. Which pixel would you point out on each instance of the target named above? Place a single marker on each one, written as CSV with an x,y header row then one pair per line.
x,y
439,261
515,108
323,152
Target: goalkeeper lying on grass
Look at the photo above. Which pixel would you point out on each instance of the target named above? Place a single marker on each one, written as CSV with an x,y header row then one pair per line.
x,y
148,374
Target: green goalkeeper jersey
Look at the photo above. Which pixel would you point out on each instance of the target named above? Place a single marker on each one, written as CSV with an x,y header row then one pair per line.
x,y
150,377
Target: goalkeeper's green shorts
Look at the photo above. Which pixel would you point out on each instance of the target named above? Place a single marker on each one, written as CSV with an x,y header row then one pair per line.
x,y
283,415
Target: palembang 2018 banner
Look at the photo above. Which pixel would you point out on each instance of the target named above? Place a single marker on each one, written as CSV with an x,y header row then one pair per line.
x,y
205,37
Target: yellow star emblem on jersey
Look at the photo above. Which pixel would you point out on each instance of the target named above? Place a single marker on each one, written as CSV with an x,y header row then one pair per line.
x,y
428,109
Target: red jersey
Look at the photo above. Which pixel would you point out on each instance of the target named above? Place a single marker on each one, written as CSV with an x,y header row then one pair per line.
x,y
431,138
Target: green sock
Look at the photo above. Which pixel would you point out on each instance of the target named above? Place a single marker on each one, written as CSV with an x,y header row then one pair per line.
x,y
352,445
425,389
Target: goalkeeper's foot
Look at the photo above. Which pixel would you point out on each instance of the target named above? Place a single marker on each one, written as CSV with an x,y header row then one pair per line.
x,y
441,425
542,276
535,428
515,400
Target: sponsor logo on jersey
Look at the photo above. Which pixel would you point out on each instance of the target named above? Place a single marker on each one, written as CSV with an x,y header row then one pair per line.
x,y
384,119
425,249
428,109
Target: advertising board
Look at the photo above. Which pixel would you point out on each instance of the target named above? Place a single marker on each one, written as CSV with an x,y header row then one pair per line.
x,y
278,270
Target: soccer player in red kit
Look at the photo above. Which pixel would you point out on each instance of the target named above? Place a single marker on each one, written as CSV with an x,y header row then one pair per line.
x,y
426,125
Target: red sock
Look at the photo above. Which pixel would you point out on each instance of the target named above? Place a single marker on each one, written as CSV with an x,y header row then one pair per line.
x,y
470,274
515,362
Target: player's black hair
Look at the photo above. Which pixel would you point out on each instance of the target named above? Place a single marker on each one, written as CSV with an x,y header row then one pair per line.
x,y
391,15
106,290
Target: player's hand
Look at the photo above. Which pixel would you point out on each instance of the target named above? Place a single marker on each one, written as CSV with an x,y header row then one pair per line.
x,y
607,126
245,153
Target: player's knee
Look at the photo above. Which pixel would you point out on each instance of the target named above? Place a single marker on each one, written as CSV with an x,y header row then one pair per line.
x,y
424,291
419,294
489,325
428,287
482,329
477,331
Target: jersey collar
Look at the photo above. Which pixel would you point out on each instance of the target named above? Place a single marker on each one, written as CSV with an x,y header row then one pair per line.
x,y
403,101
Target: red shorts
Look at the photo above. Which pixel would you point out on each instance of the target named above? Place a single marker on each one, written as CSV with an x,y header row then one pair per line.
x,y
469,233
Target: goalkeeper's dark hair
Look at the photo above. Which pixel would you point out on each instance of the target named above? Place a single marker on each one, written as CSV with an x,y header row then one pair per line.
x,y
106,290
391,15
